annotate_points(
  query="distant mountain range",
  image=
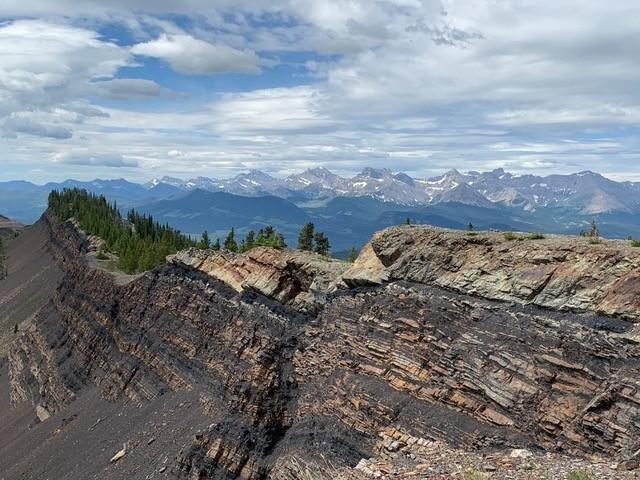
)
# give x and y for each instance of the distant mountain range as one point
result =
(350, 209)
(586, 192)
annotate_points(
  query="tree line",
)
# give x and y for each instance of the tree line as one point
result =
(138, 240)
(308, 240)
(141, 243)
(266, 237)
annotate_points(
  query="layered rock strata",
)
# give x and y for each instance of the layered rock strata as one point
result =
(558, 272)
(288, 362)
(300, 279)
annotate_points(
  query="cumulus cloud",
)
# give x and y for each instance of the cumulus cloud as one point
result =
(45, 70)
(191, 55)
(413, 85)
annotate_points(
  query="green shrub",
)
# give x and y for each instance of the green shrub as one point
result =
(595, 240)
(509, 236)
(535, 236)
(579, 475)
(635, 243)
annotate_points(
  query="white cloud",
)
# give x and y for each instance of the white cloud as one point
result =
(16, 124)
(45, 70)
(276, 110)
(123, 88)
(420, 85)
(87, 158)
(190, 55)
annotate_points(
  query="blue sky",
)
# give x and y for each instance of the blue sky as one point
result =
(145, 88)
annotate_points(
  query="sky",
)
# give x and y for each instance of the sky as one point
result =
(143, 88)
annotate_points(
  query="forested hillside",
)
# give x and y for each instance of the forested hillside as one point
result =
(138, 240)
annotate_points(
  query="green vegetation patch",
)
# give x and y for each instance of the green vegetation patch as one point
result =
(535, 236)
(139, 242)
(579, 475)
(510, 236)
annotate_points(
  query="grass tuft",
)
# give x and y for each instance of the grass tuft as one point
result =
(509, 236)
(579, 475)
(535, 236)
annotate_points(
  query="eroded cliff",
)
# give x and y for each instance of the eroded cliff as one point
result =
(440, 337)
(558, 272)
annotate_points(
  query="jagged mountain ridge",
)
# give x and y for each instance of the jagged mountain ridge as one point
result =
(351, 209)
(274, 355)
(586, 192)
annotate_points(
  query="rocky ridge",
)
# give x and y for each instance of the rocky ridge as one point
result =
(557, 272)
(300, 279)
(291, 358)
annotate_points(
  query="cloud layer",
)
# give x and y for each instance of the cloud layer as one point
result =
(193, 56)
(412, 85)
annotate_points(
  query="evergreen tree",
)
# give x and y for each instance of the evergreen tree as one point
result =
(268, 237)
(205, 243)
(280, 243)
(470, 227)
(352, 255)
(216, 245)
(230, 243)
(408, 221)
(305, 238)
(249, 241)
(322, 245)
(269, 231)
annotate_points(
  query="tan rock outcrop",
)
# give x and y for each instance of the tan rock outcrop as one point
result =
(300, 279)
(558, 272)
(368, 269)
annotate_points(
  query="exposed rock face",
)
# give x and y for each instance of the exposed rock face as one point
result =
(560, 273)
(287, 362)
(300, 279)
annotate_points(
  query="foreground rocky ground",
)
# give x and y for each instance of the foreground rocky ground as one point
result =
(436, 355)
